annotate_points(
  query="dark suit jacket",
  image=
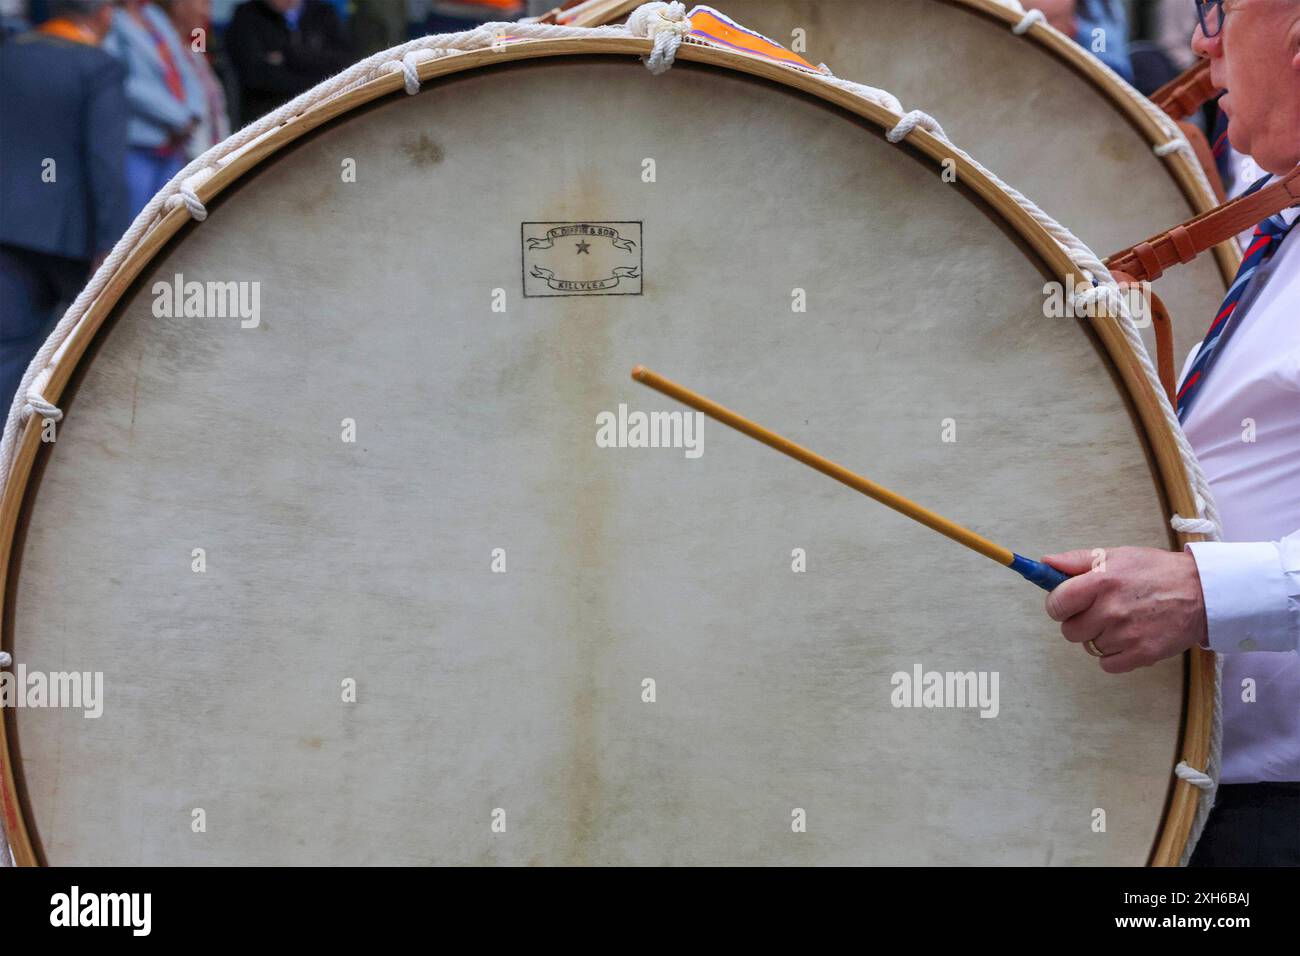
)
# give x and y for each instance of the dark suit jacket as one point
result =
(274, 64)
(61, 101)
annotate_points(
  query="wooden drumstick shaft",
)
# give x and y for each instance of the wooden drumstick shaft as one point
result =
(1041, 574)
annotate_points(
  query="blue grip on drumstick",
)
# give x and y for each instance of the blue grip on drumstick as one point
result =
(1044, 575)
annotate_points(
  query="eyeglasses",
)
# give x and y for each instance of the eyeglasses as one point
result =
(1211, 14)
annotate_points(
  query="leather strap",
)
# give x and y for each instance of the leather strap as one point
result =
(1186, 93)
(1148, 260)
(1164, 331)
(1205, 156)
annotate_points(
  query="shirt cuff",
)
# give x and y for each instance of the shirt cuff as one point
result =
(1251, 602)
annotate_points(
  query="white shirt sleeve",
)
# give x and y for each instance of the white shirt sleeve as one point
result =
(1252, 593)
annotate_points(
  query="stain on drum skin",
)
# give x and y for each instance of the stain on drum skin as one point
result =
(370, 561)
(422, 151)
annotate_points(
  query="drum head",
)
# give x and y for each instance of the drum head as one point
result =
(1036, 109)
(365, 584)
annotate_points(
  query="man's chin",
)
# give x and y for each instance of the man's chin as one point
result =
(1279, 163)
(1276, 158)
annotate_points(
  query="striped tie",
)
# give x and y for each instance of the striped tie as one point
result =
(1220, 146)
(1268, 236)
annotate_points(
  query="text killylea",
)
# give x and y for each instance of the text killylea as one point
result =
(947, 689)
(179, 299)
(23, 688)
(651, 430)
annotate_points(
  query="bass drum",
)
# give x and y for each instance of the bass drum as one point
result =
(1035, 108)
(332, 513)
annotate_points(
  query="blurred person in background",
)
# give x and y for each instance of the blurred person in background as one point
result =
(192, 20)
(417, 15)
(1099, 26)
(166, 98)
(63, 198)
(452, 16)
(1173, 23)
(281, 48)
(377, 25)
(1103, 29)
(13, 19)
(1059, 13)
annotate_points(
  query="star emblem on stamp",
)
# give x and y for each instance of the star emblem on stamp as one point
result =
(581, 258)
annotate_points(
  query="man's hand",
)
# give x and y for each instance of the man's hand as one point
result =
(1137, 605)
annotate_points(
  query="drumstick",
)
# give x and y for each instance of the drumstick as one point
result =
(1044, 575)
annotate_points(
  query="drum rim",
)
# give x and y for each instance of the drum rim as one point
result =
(1164, 458)
(1124, 97)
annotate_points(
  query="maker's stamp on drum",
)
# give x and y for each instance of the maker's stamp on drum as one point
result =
(581, 258)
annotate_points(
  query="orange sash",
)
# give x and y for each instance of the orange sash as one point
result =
(67, 30)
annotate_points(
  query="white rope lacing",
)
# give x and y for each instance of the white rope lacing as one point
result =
(1206, 523)
(1198, 779)
(664, 23)
(1027, 21)
(1198, 525)
(1027, 17)
(911, 121)
(37, 403)
(410, 73)
(667, 26)
(1103, 287)
(1179, 144)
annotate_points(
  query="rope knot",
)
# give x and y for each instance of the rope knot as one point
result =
(37, 403)
(410, 75)
(1193, 525)
(1085, 302)
(665, 24)
(409, 63)
(1197, 778)
(1178, 143)
(910, 122)
(185, 195)
(1198, 525)
(1029, 19)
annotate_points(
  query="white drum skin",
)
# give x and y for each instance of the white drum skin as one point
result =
(523, 691)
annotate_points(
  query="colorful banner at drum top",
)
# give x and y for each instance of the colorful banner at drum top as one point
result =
(717, 29)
